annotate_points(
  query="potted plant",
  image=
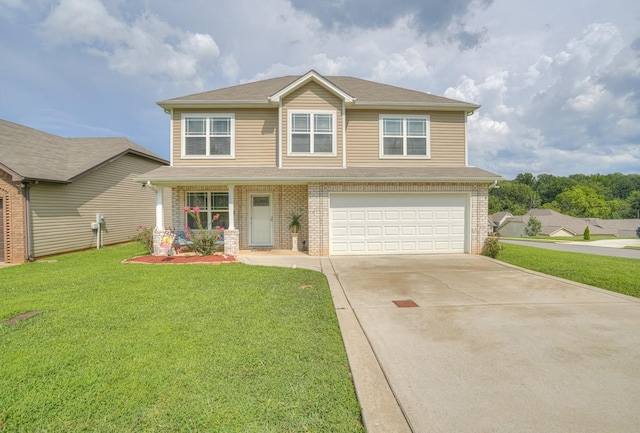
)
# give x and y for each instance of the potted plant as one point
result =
(294, 227)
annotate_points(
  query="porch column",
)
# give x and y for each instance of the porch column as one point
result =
(159, 209)
(232, 219)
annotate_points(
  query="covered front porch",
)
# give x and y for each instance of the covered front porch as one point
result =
(253, 216)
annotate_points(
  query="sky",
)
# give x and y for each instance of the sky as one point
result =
(558, 81)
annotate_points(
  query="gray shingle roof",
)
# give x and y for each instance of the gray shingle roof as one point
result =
(29, 154)
(190, 175)
(365, 92)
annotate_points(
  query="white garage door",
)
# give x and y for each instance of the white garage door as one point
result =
(397, 223)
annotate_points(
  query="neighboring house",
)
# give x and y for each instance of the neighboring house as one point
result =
(497, 219)
(372, 168)
(52, 189)
(555, 224)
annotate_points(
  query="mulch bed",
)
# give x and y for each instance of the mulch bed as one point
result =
(182, 260)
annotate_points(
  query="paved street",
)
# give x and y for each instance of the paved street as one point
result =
(614, 247)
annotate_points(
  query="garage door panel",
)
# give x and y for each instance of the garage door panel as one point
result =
(386, 223)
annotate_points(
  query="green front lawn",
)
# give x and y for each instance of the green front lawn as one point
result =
(170, 348)
(612, 273)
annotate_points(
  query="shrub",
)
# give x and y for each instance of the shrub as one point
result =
(144, 236)
(203, 240)
(534, 226)
(492, 247)
(587, 234)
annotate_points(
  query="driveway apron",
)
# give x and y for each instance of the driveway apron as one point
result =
(493, 348)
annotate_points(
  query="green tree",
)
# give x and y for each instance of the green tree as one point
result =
(534, 226)
(581, 202)
(586, 235)
(549, 186)
(633, 201)
(513, 197)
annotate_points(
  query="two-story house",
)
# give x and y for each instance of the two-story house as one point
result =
(372, 168)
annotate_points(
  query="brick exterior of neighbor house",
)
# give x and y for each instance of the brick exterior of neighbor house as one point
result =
(13, 221)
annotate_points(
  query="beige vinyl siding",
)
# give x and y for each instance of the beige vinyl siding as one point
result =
(62, 214)
(311, 96)
(255, 138)
(447, 139)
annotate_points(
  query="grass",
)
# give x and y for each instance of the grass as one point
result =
(617, 274)
(178, 348)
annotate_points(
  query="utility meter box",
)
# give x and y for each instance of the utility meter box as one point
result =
(94, 226)
(99, 218)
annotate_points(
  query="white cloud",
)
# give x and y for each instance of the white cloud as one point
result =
(149, 47)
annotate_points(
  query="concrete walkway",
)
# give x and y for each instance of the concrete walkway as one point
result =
(489, 347)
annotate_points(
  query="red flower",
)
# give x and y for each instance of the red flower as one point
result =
(187, 208)
(196, 209)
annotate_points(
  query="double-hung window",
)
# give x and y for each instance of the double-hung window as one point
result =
(209, 204)
(312, 132)
(208, 135)
(404, 136)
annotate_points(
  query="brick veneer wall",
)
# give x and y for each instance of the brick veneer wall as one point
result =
(14, 227)
(318, 196)
(286, 199)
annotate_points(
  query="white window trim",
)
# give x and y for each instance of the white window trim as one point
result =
(334, 122)
(183, 129)
(211, 211)
(404, 117)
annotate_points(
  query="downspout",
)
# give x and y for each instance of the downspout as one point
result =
(344, 136)
(279, 147)
(27, 221)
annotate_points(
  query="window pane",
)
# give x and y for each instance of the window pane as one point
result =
(195, 125)
(300, 122)
(220, 201)
(220, 145)
(323, 123)
(220, 126)
(323, 143)
(199, 199)
(392, 127)
(392, 146)
(204, 220)
(416, 146)
(417, 127)
(195, 145)
(301, 143)
(223, 221)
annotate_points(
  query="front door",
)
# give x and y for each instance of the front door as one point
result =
(261, 220)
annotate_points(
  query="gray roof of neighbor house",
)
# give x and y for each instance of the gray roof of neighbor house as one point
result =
(28, 154)
(363, 92)
(187, 175)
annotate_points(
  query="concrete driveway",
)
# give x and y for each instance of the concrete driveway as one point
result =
(493, 348)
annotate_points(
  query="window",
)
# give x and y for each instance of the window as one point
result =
(210, 204)
(404, 137)
(208, 135)
(312, 132)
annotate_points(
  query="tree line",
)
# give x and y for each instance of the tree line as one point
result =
(607, 196)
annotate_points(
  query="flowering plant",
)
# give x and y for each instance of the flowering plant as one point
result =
(203, 241)
(144, 236)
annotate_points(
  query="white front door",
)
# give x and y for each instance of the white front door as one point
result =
(261, 233)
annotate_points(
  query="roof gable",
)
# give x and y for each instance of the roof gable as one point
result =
(306, 78)
(29, 154)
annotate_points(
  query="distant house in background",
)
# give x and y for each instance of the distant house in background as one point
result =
(52, 189)
(497, 219)
(555, 224)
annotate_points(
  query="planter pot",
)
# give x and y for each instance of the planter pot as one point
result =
(294, 241)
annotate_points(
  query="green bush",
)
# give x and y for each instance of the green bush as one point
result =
(144, 236)
(587, 234)
(491, 248)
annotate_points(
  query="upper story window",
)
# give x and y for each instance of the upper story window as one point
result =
(312, 132)
(208, 135)
(404, 136)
